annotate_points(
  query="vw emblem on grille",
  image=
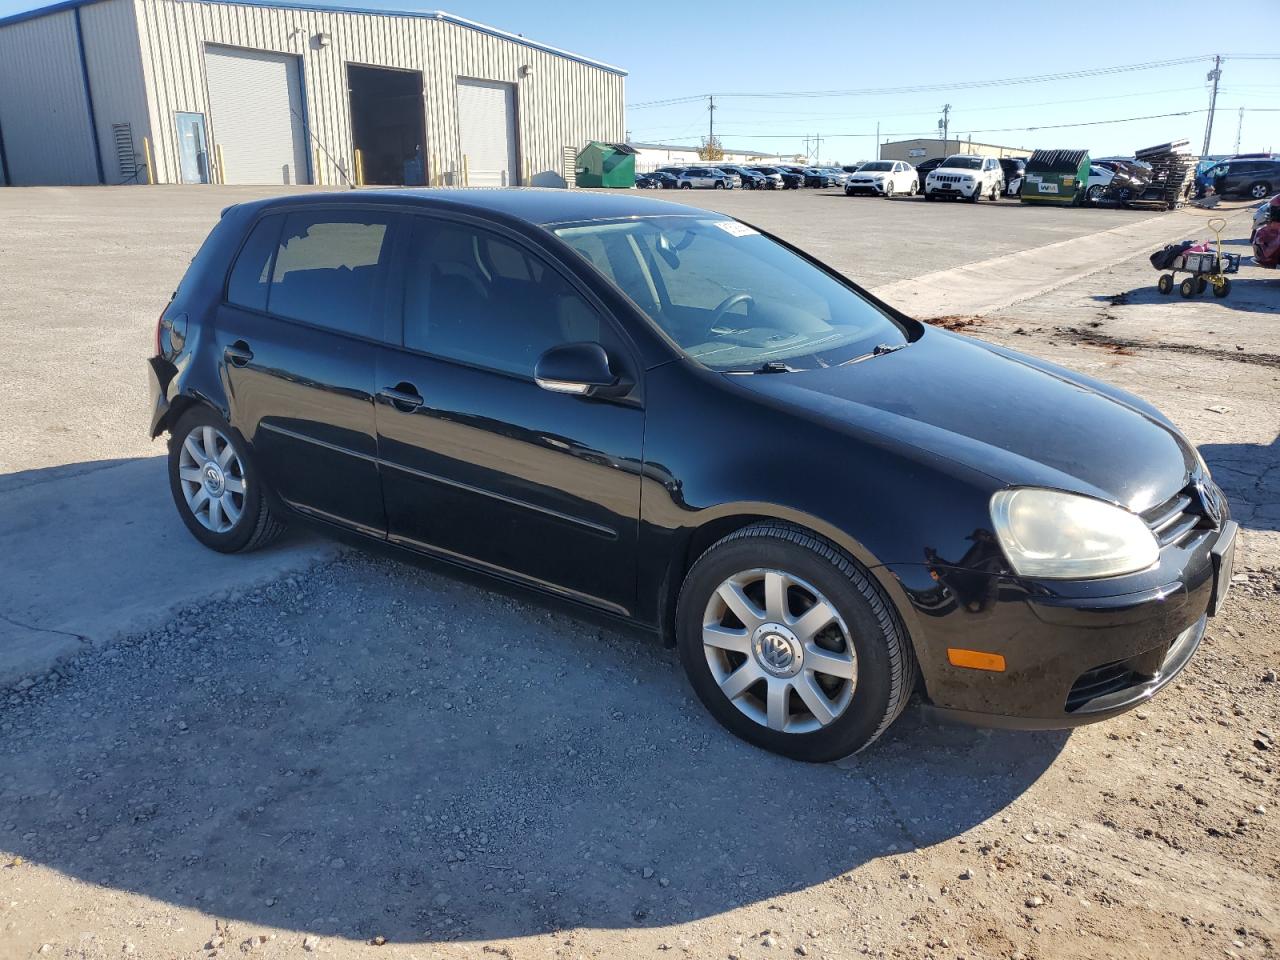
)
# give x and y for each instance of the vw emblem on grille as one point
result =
(1209, 504)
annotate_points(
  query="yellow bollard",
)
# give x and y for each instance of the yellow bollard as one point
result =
(359, 168)
(222, 167)
(146, 151)
(319, 170)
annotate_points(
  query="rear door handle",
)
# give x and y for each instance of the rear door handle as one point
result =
(238, 353)
(403, 396)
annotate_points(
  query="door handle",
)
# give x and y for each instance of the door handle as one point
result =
(403, 396)
(238, 353)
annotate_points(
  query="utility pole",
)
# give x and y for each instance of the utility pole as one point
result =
(1215, 75)
(1239, 128)
(877, 139)
(945, 124)
(711, 114)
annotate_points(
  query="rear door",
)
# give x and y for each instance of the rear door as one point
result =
(479, 462)
(298, 338)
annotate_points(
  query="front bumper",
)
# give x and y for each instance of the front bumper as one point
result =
(949, 189)
(866, 186)
(1070, 658)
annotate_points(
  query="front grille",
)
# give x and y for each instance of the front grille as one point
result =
(1187, 514)
(947, 178)
(1100, 681)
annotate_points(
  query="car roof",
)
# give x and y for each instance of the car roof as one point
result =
(537, 205)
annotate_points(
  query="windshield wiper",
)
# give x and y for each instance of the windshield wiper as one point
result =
(879, 350)
(774, 366)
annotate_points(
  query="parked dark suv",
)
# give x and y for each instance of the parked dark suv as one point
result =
(671, 418)
(1257, 179)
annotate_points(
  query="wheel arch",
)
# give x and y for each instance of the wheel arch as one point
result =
(179, 406)
(728, 520)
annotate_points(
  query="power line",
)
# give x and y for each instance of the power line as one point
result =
(934, 87)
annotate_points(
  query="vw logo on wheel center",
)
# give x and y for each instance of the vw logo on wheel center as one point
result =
(777, 650)
(213, 480)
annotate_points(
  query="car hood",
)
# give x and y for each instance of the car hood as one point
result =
(1016, 419)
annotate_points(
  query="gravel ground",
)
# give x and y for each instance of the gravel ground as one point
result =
(374, 759)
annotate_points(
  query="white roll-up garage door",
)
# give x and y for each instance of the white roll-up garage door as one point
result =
(487, 132)
(255, 105)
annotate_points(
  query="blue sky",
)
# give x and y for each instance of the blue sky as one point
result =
(753, 47)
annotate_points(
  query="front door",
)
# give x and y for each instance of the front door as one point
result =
(478, 462)
(193, 149)
(298, 336)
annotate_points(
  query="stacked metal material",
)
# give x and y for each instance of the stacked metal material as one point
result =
(1173, 174)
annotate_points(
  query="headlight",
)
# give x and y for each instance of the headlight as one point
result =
(1064, 536)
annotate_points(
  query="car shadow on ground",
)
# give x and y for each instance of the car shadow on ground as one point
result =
(1249, 474)
(380, 750)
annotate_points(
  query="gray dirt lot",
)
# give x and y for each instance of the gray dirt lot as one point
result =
(370, 749)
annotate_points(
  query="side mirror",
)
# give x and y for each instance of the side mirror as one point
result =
(576, 368)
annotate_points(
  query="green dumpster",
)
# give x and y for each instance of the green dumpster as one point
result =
(606, 165)
(1056, 176)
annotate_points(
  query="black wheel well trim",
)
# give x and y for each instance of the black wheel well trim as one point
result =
(702, 537)
(183, 402)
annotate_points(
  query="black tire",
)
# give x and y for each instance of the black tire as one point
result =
(1165, 283)
(886, 663)
(1094, 193)
(1188, 287)
(976, 195)
(1260, 190)
(686, 186)
(928, 195)
(719, 184)
(1222, 289)
(995, 192)
(258, 524)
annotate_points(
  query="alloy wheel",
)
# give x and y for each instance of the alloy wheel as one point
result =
(779, 651)
(212, 478)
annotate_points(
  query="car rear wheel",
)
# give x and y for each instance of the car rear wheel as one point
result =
(792, 645)
(1094, 193)
(216, 487)
(1260, 190)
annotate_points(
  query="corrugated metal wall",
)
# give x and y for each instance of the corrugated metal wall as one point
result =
(43, 110)
(112, 57)
(560, 102)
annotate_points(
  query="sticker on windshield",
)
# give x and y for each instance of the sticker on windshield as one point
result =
(736, 229)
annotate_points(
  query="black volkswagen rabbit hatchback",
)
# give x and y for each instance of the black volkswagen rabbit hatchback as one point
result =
(672, 417)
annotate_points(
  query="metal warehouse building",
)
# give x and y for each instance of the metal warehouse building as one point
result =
(188, 91)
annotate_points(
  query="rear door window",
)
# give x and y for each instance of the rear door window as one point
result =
(328, 268)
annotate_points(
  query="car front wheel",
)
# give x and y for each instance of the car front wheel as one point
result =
(1260, 190)
(216, 487)
(792, 645)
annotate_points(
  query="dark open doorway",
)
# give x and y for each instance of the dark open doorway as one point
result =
(388, 120)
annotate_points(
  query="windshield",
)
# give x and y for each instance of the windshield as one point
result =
(876, 165)
(731, 298)
(963, 163)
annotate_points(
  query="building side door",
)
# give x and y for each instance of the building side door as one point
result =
(193, 149)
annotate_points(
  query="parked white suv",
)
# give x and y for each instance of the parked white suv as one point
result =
(963, 175)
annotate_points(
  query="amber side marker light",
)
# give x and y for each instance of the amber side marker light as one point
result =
(975, 659)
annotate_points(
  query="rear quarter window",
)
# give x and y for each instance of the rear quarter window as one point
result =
(250, 279)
